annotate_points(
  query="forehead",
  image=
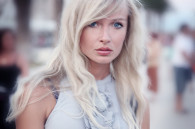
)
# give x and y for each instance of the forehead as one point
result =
(120, 14)
(112, 9)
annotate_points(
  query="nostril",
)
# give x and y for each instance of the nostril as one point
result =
(104, 41)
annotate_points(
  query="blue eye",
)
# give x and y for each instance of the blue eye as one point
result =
(94, 24)
(118, 25)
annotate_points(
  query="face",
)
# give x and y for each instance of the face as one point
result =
(102, 40)
(8, 41)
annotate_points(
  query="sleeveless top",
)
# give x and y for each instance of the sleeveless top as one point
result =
(67, 114)
(8, 77)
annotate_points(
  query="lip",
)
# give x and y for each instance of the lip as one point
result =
(104, 51)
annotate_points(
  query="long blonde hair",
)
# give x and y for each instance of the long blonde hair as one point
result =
(69, 62)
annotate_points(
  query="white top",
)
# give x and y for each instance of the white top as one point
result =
(67, 113)
(182, 43)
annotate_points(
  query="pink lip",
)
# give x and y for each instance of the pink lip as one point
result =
(104, 51)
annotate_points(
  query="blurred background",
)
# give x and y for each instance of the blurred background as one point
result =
(36, 25)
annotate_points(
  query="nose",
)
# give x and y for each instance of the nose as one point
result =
(104, 35)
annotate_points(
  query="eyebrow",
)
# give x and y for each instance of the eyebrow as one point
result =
(118, 19)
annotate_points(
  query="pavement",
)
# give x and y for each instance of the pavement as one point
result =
(162, 111)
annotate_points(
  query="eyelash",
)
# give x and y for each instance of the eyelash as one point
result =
(94, 24)
(119, 25)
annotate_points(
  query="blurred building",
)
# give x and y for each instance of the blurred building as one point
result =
(36, 23)
(43, 23)
(169, 18)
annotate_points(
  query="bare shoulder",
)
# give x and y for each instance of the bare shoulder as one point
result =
(41, 103)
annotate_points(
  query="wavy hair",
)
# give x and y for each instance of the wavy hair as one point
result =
(69, 62)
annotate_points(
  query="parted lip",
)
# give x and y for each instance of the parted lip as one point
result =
(104, 49)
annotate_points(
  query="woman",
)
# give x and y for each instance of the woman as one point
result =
(93, 74)
(12, 65)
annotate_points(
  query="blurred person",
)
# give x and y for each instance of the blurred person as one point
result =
(182, 60)
(167, 41)
(153, 59)
(93, 79)
(12, 65)
(193, 60)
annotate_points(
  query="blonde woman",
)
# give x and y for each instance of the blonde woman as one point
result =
(93, 80)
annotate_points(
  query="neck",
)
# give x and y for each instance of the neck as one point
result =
(99, 71)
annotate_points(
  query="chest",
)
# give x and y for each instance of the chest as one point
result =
(68, 114)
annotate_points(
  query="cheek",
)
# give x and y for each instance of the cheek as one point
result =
(119, 41)
(82, 47)
(87, 40)
(119, 47)
(84, 43)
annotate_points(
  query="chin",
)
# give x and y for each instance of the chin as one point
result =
(104, 61)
